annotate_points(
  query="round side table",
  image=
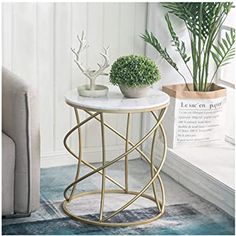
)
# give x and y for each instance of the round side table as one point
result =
(156, 103)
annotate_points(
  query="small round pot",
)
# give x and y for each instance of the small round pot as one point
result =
(99, 91)
(135, 92)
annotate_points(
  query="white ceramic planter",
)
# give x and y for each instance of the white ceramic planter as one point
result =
(134, 92)
(194, 118)
(98, 91)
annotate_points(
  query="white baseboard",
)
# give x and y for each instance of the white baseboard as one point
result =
(198, 181)
(56, 159)
(92, 155)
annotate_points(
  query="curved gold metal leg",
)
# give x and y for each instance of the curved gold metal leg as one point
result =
(126, 149)
(122, 136)
(149, 183)
(83, 161)
(155, 172)
(162, 163)
(80, 153)
(152, 171)
(103, 170)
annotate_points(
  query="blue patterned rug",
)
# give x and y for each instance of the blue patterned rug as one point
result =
(179, 218)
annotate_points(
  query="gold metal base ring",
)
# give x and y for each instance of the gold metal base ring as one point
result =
(111, 224)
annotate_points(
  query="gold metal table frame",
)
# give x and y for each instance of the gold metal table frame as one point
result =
(69, 192)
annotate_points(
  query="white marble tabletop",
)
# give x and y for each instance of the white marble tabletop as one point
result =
(115, 102)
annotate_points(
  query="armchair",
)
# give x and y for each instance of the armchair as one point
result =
(20, 147)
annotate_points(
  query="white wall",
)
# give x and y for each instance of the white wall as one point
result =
(36, 45)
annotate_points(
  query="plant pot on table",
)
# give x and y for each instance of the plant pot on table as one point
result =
(135, 92)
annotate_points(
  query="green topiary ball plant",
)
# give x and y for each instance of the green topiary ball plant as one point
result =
(134, 71)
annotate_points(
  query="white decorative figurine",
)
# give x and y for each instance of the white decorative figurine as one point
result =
(91, 90)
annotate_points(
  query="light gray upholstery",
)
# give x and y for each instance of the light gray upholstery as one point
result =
(20, 122)
(8, 163)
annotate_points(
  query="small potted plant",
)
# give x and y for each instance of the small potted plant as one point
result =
(134, 75)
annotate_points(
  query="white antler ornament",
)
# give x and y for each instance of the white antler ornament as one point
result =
(91, 74)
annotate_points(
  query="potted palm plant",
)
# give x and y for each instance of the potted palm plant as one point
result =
(196, 108)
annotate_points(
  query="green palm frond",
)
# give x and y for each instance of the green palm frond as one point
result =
(152, 40)
(199, 17)
(225, 50)
(203, 21)
(189, 13)
(180, 45)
